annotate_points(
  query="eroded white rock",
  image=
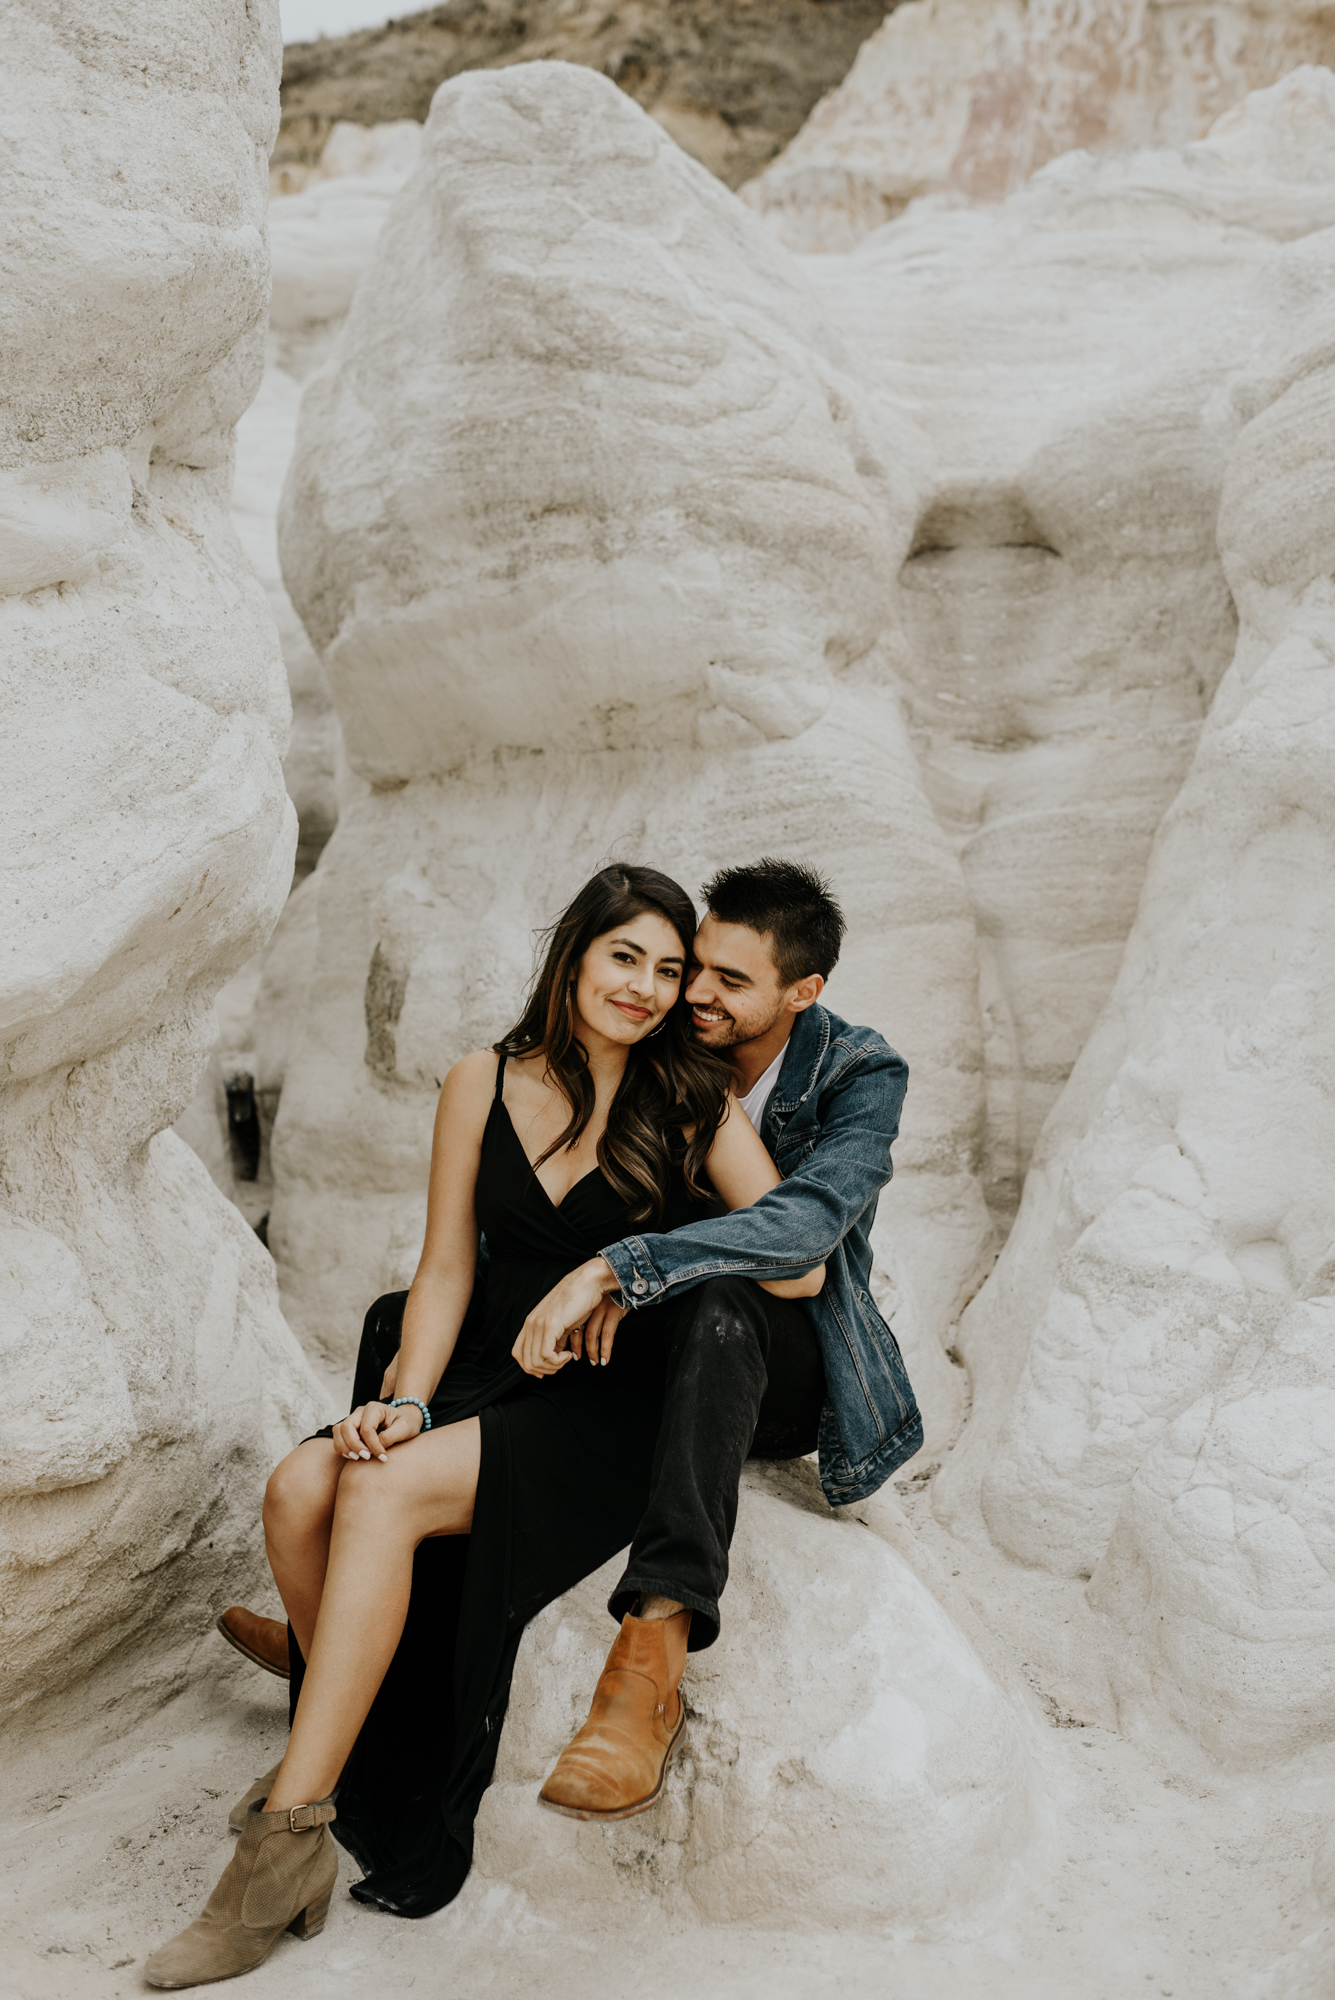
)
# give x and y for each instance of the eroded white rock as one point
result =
(848, 1761)
(320, 241)
(146, 842)
(320, 244)
(1157, 1331)
(1064, 615)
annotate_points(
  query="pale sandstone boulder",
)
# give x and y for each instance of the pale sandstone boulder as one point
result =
(597, 538)
(320, 243)
(848, 1761)
(644, 396)
(1219, 1568)
(264, 447)
(1157, 1333)
(952, 96)
(1221, 1562)
(1064, 617)
(147, 843)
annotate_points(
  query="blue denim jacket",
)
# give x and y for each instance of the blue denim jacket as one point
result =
(829, 1125)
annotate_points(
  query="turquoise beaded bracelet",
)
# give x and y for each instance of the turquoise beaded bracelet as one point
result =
(417, 1404)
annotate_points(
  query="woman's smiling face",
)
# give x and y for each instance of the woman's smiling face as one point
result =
(629, 979)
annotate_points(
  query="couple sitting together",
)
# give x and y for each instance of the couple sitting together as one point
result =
(647, 1259)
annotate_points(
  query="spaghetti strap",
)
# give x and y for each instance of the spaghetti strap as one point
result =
(500, 1077)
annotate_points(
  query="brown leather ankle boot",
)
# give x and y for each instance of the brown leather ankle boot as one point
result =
(263, 1640)
(616, 1765)
(280, 1879)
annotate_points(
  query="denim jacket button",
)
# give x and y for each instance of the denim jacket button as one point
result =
(639, 1287)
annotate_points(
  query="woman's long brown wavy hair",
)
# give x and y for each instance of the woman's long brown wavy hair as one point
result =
(671, 1085)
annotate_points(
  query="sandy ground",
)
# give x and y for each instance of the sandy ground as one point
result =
(1165, 1878)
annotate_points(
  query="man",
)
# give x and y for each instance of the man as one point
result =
(748, 1373)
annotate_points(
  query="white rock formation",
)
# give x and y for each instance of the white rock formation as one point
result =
(1154, 1350)
(848, 1761)
(542, 528)
(354, 150)
(1064, 613)
(952, 95)
(599, 550)
(320, 242)
(310, 768)
(146, 847)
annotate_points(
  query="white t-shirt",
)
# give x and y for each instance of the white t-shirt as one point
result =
(757, 1097)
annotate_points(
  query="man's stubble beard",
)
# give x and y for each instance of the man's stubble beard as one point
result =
(736, 1036)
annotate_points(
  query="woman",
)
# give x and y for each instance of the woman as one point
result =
(412, 1541)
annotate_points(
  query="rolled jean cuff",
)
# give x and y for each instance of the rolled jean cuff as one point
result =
(703, 1610)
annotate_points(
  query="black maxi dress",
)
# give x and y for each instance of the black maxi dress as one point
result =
(564, 1479)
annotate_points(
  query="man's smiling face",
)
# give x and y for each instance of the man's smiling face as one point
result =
(732, 988)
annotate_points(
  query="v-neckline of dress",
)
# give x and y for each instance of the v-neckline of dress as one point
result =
(555, 1206)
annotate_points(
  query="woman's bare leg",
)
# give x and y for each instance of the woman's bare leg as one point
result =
(382, 1510)
(298, 1520)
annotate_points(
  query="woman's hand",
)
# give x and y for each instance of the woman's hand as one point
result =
(598, 1332)
(544, 1340)
(372, 1430)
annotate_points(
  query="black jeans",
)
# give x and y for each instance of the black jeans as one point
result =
(744, 1380)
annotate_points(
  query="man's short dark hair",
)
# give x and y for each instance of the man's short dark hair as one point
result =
(790, 905)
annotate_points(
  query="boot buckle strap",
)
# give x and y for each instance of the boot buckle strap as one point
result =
(300, 1819)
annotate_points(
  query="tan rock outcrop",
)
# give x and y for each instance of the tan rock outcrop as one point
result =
(973, 100)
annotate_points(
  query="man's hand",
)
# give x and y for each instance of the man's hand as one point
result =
(371, 1430)
(543, 1345)
(598, 1332)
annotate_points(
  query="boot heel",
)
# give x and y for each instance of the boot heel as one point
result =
(311, 1921)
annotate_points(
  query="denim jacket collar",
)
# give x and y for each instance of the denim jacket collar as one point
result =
(802, 1062)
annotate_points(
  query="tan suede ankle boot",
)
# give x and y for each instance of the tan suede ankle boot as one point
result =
(616, 1765)
(256, 1796)
(280, 1879)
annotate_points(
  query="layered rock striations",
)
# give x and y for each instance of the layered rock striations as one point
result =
(972, 100)
(320, 243)
(1153, 1350)
(147, 845)
(1064, 613)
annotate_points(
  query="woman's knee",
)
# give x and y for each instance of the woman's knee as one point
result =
(374, 1487)
(428, 1492)
(299, 1490)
